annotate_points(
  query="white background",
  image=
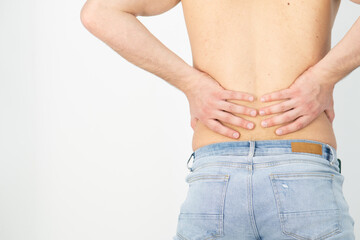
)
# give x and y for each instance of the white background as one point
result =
(93, 147)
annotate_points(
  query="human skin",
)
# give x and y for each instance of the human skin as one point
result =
(308, 98)
(205, 86)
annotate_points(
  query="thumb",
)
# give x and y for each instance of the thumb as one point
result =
(193, 122)
(330, 113)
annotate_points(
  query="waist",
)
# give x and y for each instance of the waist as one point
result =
(263, 152)
(319, 130)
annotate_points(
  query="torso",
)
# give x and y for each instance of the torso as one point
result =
(259, 46)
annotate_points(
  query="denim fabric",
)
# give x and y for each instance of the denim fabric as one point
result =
(251, 190)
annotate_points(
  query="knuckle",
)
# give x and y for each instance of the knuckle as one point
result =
(288, 92)
(219, 94)
(232, 95)
(295, 92)
(216, 127)
(241, 122)
(226, 118)
(308, 107)
(302, 101)
(242, 96)
(224, 94)
(297, 101)
(298, 125)
(286, 118)
(283, 107)
(231, 108)
(299, 91)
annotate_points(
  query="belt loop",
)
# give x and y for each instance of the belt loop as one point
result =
(332, 161)
(251, 148)
(187, 164)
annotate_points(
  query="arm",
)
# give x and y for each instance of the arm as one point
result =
(312, 92)
(344, 57)
(115, 23)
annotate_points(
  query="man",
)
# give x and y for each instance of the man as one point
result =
(256, 65)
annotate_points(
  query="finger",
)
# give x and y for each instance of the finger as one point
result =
(234, 120)
(282, 118)
(298, 124)
(235, 108)
(193, 122)
(278, 95)
(330, 113)
(277, 108)
(217, 127)
(229, 94)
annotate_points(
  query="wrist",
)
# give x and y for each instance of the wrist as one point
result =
(191, 81)
(324, 75)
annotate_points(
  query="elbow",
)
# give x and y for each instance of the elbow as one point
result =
(356, 1)
(89, 14)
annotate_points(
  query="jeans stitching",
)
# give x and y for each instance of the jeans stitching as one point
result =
(301, 175)
(223, 205)
(281, 215)
(208, 176)
(225, 178)
(259, 165)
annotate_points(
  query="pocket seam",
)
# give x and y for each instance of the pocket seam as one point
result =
(219, 217)
(214, 237)
(193, 178)
(303, 175)
(336, 231)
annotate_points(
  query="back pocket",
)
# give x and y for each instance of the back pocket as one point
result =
(202, 213)
(306, 204)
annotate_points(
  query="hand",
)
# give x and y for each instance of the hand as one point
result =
(207, 100)
(306, 99)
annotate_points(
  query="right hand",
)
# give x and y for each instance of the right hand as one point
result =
(207, 101)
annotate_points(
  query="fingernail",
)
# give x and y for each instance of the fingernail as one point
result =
(236, 135)
(251, 98)
(253, 113)
(250, 125)
(279, 131)
(262, 99)
(262, 112)
(264, 124)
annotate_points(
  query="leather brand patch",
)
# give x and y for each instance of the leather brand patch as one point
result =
(306, 147)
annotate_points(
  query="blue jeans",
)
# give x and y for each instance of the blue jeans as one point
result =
(268, 190)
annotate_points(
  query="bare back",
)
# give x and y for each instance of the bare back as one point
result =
(259, 46)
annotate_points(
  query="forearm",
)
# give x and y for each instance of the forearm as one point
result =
(125, 34)
(343, 58)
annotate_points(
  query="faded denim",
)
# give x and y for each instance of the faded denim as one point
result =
(252, 190)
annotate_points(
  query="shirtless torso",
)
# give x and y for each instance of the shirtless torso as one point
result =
(259, 47)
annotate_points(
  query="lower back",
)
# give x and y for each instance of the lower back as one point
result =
(258, 47)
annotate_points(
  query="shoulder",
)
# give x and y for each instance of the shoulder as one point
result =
(356, 1)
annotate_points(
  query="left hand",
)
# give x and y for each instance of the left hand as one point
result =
(305, 100)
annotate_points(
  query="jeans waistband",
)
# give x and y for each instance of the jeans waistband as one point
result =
(265, 148)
